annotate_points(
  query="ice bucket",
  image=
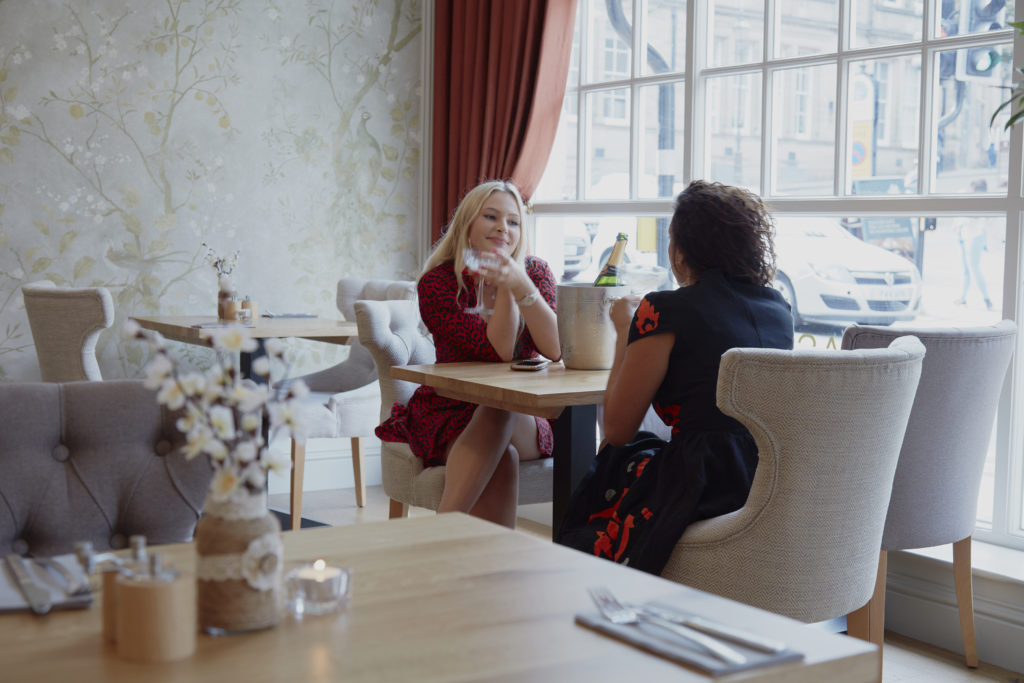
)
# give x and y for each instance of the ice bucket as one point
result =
(585, 331)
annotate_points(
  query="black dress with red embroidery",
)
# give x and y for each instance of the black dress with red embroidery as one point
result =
(429, 422)
(637, 499)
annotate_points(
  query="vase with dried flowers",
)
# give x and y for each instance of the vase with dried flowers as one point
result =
(224, 267)
(238, 541)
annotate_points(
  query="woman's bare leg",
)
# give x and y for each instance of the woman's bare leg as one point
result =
(473, 458)
(497, 503)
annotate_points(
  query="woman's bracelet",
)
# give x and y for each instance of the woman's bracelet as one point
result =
(528, 300)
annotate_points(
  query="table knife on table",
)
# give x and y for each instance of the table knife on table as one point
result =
(714, 628)
(37, 596)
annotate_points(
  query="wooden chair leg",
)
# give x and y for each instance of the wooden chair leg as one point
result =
(965, 598)
(397, 509)
(868, 622)
(298, 468)
(357, 471)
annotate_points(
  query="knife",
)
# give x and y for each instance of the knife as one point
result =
(38, 597)
(714, 628)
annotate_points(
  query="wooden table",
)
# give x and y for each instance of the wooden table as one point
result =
(435, 598)
(184, 328)
(571, 396)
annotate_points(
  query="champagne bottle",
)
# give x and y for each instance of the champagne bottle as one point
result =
(609, 275)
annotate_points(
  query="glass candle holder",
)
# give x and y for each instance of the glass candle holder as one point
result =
(317, 589)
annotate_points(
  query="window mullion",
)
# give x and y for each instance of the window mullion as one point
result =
(767, 153)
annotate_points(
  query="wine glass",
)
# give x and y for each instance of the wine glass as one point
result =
(642, 278)
(475, 259)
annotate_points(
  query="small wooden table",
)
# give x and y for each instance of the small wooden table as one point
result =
(436, 598)
(571, 396)
(186, 329)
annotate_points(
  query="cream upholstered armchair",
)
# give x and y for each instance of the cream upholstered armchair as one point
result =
(66, 323)
(344, 400)
(828, 427)
(935, 491)
(394, 334)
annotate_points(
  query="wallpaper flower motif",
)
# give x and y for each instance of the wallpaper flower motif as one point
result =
(132, 133)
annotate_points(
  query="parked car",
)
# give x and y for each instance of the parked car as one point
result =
(577, 254)
(829, 276)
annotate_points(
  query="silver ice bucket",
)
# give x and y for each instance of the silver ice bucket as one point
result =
(585, 331)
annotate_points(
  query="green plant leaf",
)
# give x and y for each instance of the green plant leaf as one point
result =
(41, 264)
(66, 240)
(83, 266)
(42, 226)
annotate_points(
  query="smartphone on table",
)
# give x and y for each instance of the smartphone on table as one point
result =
(530, 364)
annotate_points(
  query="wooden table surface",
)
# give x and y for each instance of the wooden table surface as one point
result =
(183, 328)
(544, 393)
(435, 598)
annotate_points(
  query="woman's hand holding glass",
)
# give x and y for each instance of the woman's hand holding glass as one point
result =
(479, 262)
(622, 311)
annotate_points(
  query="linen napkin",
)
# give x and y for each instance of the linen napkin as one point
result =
(658, 641)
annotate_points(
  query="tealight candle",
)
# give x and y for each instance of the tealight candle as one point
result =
(317, 588)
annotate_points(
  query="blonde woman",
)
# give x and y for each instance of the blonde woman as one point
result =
(481, 446)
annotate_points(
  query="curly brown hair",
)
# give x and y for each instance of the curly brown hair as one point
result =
(724, 227)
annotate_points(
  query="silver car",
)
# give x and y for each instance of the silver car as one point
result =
(829, 276)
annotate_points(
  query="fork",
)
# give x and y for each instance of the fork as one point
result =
(617, 613)
(75, 587)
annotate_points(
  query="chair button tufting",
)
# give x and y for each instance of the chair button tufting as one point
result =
(19, 546)
(163, 447)
(118, 542)
(61, 453)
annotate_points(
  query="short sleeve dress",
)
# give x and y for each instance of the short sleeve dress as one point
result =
(637, 499)
(429, 422)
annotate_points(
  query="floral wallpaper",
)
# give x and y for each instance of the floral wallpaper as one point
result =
(133, 132)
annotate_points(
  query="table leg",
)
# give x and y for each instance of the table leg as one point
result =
(245, 360)
(574, 450)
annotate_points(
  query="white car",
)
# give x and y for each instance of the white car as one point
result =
(829, 276)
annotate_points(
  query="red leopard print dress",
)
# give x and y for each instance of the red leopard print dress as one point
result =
(430, 422)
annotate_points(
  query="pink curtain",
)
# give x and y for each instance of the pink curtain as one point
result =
(500, 69)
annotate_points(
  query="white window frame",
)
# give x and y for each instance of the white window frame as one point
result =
(1009, 476)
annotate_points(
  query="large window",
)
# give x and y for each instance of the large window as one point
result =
(864, 123)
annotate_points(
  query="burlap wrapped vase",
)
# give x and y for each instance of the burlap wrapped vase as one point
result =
(238, 565)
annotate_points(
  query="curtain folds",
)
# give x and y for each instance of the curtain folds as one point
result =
(499, 80)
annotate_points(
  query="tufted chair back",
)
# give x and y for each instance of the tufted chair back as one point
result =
(93, 461)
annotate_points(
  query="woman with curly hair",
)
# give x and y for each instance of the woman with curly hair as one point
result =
(642, 492)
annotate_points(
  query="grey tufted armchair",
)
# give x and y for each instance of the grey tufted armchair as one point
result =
(92, 461)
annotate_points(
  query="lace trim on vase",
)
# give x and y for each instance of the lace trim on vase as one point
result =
(247, 506)
(260, 564)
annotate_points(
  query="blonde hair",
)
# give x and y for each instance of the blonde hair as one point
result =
(456, 237)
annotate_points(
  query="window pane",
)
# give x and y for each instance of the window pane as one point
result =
(883, 125)
(608, 31)
(661, 149)
(607, 153)
(733, 132)
(803, 125)
(666, 36)
(839, 271)
(886, 22)
(963, 17)
(576, 248)
(559, 179)
(806, 28)
(971, 155)
(737, 27)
